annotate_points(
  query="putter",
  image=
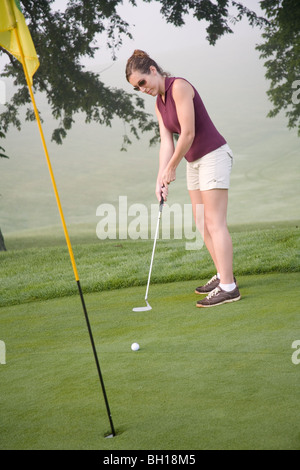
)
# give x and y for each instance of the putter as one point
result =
(148, 306)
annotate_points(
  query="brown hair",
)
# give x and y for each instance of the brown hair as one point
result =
(140, 61)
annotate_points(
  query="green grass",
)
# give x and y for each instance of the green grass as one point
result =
(217, 378)
(220, 379)
(37, 269)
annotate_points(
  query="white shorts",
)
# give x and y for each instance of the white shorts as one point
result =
(211, 171)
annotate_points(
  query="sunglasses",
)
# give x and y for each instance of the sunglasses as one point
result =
(141, 84)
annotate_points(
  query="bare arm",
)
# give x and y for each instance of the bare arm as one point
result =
(183, 95)
(165, 154)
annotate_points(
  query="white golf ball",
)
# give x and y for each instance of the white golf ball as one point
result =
(135, 346)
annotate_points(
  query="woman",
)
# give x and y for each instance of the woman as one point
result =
(180, 110)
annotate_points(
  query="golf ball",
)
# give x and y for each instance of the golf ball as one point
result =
(135, 346)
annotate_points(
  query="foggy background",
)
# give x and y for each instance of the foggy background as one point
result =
(91, 170)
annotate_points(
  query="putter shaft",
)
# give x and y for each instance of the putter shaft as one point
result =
(154, 245)
(140, 309)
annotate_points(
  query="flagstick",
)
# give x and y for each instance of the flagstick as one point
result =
(65, 231)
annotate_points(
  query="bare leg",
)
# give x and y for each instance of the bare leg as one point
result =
(216, 236)
(196, 198)
(215, 209)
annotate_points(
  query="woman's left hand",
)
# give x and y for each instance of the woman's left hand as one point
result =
(168, 176)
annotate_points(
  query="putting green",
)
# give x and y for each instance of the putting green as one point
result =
(220, 378)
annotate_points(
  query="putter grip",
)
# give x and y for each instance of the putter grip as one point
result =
(161, 204)
(162, 200)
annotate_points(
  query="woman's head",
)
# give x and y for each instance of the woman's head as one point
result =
(141, 62)
(142, 72)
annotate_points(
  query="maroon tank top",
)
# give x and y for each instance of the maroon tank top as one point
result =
(207, 138)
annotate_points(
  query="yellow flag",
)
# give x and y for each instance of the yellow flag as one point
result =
(11, 18)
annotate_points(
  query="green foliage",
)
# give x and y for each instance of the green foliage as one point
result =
(216, 14)
(2, 136)
(282, 51)
(62, 39)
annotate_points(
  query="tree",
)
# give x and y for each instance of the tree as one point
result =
(282, 49)
(63, 38)
(282, 42)
(2, 136)
(215, 13)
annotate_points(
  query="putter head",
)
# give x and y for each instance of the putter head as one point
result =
(143, 309)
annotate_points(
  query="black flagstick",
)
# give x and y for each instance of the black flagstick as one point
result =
(113, 433)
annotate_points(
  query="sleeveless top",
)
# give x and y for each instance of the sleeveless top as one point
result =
(207, 138)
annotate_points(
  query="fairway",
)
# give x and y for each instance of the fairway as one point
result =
(220, 378)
